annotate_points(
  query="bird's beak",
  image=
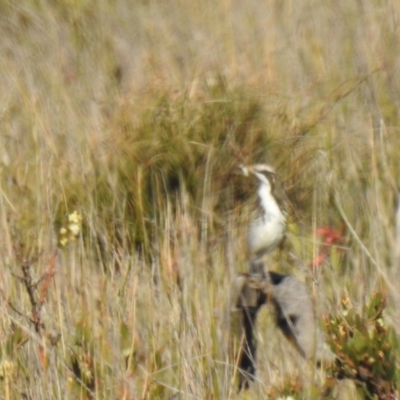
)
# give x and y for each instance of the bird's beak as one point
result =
(245, 170)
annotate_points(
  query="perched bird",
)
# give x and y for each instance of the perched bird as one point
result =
(290, 298)
(266, 230)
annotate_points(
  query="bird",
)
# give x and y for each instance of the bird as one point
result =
(291, 301)
(267, 225)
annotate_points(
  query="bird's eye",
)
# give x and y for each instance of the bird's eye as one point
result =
(269, 175)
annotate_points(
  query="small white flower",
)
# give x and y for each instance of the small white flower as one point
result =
(75, 222)
(74, 229)
(75, 218)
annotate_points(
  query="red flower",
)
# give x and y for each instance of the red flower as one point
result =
(330, 236)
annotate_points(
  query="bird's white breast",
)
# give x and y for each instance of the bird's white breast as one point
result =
(266, 232)
(265, 235)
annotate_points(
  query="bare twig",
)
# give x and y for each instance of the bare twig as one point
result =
(36, 301)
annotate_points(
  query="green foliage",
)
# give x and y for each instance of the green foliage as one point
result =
(366, 348)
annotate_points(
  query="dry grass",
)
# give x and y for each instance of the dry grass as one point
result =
(135, 114)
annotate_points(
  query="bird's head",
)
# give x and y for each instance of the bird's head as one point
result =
(264, 173)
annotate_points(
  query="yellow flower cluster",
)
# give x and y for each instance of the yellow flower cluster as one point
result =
(70, 231)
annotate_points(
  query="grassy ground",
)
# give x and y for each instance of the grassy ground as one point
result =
(135, 114)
